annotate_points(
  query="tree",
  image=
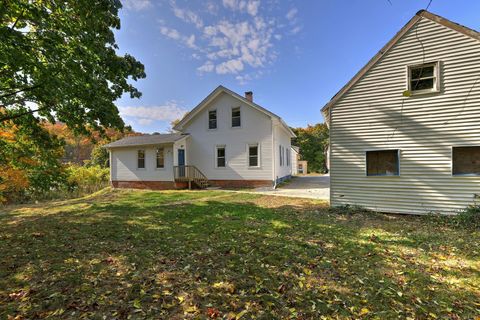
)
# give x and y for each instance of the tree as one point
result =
(58, 60)
(313, 143)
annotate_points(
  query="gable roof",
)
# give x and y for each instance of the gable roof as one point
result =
(418, 16)
(221, 89)
(145, 140)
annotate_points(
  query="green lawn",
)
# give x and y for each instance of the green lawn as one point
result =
(213, 254)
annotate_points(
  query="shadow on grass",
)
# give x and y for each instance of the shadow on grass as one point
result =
(193, 254)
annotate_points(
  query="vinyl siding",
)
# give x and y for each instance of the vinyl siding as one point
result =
(124, 165)
(282, 138)
(374, 115)
(256, 127)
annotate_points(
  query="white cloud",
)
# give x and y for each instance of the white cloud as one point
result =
(241, 43)
(137, 5)
(147, 114)
(291, 14)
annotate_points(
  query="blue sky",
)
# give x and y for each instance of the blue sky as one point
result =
(294, 55)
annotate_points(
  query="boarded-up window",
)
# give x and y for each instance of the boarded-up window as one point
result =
(466, 160)
(141, 159)
(382, 163)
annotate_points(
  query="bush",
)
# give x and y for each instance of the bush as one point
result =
(469, 217)
(84, 180)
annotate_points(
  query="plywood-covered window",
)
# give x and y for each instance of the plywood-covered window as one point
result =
(253, 155)
(236, 117)
(382, 163)
(141, 159)
(212, 119)
(423, 78)
(466, 160)
(160, 158)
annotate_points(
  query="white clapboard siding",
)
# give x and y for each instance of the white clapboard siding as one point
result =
(374, 114)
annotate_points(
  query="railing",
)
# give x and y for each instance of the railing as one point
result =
(190, 174)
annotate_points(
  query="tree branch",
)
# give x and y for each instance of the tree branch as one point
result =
(20, 90)
(16, 21)
(18, 115)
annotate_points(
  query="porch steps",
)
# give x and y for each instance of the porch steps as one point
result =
(190, 174)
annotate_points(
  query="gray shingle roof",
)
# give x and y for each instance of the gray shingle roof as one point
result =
(145, 140)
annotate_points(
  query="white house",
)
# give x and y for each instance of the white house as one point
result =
(405, 131)
(226, 141)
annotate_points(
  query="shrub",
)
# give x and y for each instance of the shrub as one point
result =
(84, 180)
(469, 217)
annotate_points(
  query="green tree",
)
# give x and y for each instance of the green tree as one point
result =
(99, 157)
(313, 143)
(58, 60)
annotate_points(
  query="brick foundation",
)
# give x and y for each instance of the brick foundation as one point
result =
(240, 183)
(154, 185)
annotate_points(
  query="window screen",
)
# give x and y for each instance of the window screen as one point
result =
(212, 119)
(382, 163)
(236, 121)
(141, 159)
(466, 160)
(253, 155)
(220, 157)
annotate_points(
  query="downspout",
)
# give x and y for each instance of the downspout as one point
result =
(273, 157)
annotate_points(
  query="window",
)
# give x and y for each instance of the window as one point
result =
(141, 159)
(212, 119)
(160, 158)
(253, 155)
(423, 78)
(382, 163)
(288, 157)
(220, 153)
(466, 160)
(236, 122)
(280, 155)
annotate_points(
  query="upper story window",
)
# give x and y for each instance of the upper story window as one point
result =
(141, 159)
(423, 78)
(160, 158)
(466, 160)
(382, 163)
(236, 121)
(220, 155)
(212, 119)
(253, 155)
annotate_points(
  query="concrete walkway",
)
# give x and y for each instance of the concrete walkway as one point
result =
(310, 186)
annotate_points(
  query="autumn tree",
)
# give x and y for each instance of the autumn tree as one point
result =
(313, 143)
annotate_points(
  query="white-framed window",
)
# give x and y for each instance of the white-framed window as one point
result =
(253, 155)
(423, 78)
(466, 161)
(220, 157)
(280, 155)
(160, 158)
(236, 117)
(382, 162)
(288, 157)
(212, 119)
(141, 159)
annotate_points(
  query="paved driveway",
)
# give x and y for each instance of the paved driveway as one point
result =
(310, 186)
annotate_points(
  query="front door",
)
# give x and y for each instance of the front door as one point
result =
(181, 162)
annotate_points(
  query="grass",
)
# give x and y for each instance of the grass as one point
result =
(212, 254)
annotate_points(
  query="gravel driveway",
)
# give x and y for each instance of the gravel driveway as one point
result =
(310, 186)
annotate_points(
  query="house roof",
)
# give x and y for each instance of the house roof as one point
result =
(189, 116)
(418, 16)
(146, 140)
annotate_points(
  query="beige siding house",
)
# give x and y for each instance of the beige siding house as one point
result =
(405, 131)
(226, 141)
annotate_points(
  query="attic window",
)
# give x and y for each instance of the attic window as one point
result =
(423, 78)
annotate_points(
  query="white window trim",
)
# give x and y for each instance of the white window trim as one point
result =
(144, 159)
(451, 163)
(436, 75)
(220, 146)
(259, 164)
(208, 120)
(156, 157)
(382, 176)
(231, 117)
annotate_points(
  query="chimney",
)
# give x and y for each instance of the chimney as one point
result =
(249, 96)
